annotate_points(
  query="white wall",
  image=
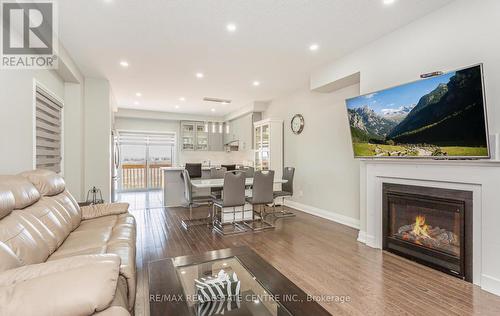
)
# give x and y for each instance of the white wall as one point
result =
(74, 166)
(16, 118)
(462, 33)
(164, 125)
(326, 177)
(97, 137)
(16, 114)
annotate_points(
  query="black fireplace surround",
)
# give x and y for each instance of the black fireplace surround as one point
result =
(431, 226)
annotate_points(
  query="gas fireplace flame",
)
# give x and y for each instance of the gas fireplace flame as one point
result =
(421, 229)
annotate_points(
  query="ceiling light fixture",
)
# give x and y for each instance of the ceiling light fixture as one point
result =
(138, 94)
(136, 103)
(177, 106)
(388, 2)
(199, 75)
(182, 99)
(256, 83)
(231, 27)
(124, 63)
(213, 110)
(313, 47)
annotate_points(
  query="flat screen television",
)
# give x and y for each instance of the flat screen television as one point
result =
(442, 117)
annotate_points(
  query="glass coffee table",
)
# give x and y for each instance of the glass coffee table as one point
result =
(263, 290)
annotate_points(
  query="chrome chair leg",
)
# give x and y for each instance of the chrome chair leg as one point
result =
(282, 213)
(264, 225)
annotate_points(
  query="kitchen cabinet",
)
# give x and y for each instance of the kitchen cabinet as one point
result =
(216, 136)
(241, 130)
(202, 136)
(188, 138)
(268, 146)
(213, 136)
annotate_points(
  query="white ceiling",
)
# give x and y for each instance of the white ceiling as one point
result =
(166, 42)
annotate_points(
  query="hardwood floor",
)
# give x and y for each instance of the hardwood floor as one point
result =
(322, 258)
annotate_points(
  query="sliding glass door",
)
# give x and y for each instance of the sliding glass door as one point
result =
(141, 157)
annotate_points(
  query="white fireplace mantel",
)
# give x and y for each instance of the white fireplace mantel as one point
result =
(480, 177)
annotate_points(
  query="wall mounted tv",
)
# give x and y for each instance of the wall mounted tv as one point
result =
(442, 117)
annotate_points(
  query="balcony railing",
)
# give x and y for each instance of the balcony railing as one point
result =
(133, 176)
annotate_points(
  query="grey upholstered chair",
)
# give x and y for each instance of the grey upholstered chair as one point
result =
(249, 171)
(217, 173)
(192, 201)
(262, 196)
(229, 167)
(233, 197)
(194, 170)
(286, 191)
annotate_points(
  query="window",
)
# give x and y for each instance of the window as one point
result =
(48, 131)
(142, 155)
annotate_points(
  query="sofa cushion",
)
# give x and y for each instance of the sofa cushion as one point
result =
(113, 234)
(7, 201)
(24, 240)
(47, 182)
(8, 259)
(25, 194)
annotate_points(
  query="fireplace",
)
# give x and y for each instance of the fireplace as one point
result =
(431, 226)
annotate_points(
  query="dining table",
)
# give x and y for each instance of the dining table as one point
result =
(219, 183)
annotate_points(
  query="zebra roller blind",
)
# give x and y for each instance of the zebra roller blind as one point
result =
(48, 132)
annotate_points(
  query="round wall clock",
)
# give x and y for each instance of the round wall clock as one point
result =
(297, 124)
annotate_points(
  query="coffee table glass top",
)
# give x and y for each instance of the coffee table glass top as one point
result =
(253, 298)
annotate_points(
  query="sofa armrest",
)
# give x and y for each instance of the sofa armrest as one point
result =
(80, 285)
(99, 210)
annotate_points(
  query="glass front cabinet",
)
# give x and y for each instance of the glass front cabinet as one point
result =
(188, 132)
(202, 136)
(268, 146)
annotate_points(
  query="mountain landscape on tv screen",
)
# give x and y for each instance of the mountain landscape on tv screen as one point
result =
(440, 116)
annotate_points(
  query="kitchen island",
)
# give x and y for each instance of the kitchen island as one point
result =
(173, 185)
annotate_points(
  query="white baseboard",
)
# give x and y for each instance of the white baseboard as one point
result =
(330, 215)
(490, 284)
(362, 237)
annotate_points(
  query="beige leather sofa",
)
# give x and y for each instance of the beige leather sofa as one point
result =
(59, 259)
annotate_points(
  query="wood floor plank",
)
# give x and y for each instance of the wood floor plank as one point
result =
(322, 258)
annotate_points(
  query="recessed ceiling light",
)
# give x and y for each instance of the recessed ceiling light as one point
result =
(199, 75)
(387, 2)
(177, 106)
(213, 110)
(182, 99)
(124, 63)
(256, 83)
(231, 27)
(313, 47)
(136, 103)
(138, 94)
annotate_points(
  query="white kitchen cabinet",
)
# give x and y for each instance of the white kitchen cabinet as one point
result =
(216, 136)
(268, 146)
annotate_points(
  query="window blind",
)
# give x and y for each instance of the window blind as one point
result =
(48, 132)
(146, 138)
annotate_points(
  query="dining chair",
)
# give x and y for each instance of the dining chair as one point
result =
(249, 171)
(286, 191)
(229, 167)
(233, 197)
(194, 170)
(217, 173)
(262, 196)
(192, 201)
